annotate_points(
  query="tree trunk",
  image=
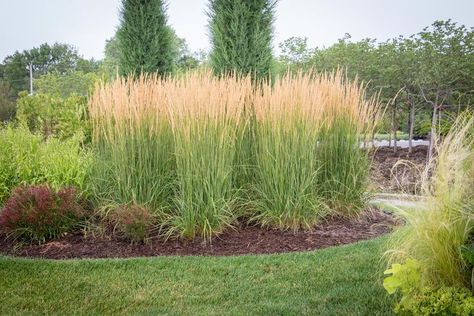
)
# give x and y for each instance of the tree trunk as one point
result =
(434, 119)
(411, 123)
(394, 128)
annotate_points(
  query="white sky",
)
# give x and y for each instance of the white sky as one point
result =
(86, 24)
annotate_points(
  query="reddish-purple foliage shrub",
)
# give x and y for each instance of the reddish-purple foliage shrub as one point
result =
(39, 213)
(133, 221)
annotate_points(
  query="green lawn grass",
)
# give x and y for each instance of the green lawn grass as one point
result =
(336, 281)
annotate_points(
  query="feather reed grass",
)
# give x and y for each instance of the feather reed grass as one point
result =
(207, 118)
(202, 150)
(308, 157)
(133, 138)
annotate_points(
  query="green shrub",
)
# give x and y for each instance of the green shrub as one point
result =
(404, 277)
(27, 159)
(65, 85)
(133, 221)
(39, 213)
(419, 298)
(52, 115)
(145, 40)
(443, 301)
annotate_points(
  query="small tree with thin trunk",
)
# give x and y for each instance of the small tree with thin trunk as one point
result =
(145, 40)
(241, 35)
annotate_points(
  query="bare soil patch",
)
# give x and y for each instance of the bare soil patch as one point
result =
(241, 240)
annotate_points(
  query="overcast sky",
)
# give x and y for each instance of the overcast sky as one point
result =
(86, 24)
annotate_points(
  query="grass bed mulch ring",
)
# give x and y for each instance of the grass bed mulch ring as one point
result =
(241, 240)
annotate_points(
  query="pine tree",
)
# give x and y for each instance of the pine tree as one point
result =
(145, 40)
(241, 35)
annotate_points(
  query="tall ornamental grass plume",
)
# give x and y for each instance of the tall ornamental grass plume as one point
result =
(307, 149)
(348, 118)
(202, 150)
(436, 231)
(206, 117)
(134, 143)
(286, 130)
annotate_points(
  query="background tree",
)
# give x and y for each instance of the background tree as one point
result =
(145, 40)
(185, 59)
(430, 73)
(295, 53)
(7, 103)
(61, 58)
(447, 68)
(74, 82)
(241, 35)
(111, 61)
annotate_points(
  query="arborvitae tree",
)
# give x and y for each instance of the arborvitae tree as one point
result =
(241, 35)
(145, 40)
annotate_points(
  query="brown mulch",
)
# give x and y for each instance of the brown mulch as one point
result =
(241, 240)
(398, 172)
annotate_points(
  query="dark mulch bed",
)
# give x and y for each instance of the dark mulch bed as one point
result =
(241, 240)
(388, 176)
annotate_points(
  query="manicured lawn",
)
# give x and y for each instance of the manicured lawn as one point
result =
(337, 281)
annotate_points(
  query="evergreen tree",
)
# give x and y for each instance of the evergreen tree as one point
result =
(144, 38)
(241, 35)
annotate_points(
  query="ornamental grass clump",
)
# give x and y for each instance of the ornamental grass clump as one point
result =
(286, 168)
(207, 118)
(436, 231)
(438, 238)
(199, 151)
(308, 160)
(134, 143)
(347, 120)
(170, 144)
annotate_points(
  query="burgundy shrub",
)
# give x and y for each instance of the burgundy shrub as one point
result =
(133, 221)
(39, 213)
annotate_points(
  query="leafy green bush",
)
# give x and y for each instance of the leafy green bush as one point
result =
(65, 85)
(421, 299)
(39, 213)
(52, 115)
(443, 301)
(404, 277)
(27, 159)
